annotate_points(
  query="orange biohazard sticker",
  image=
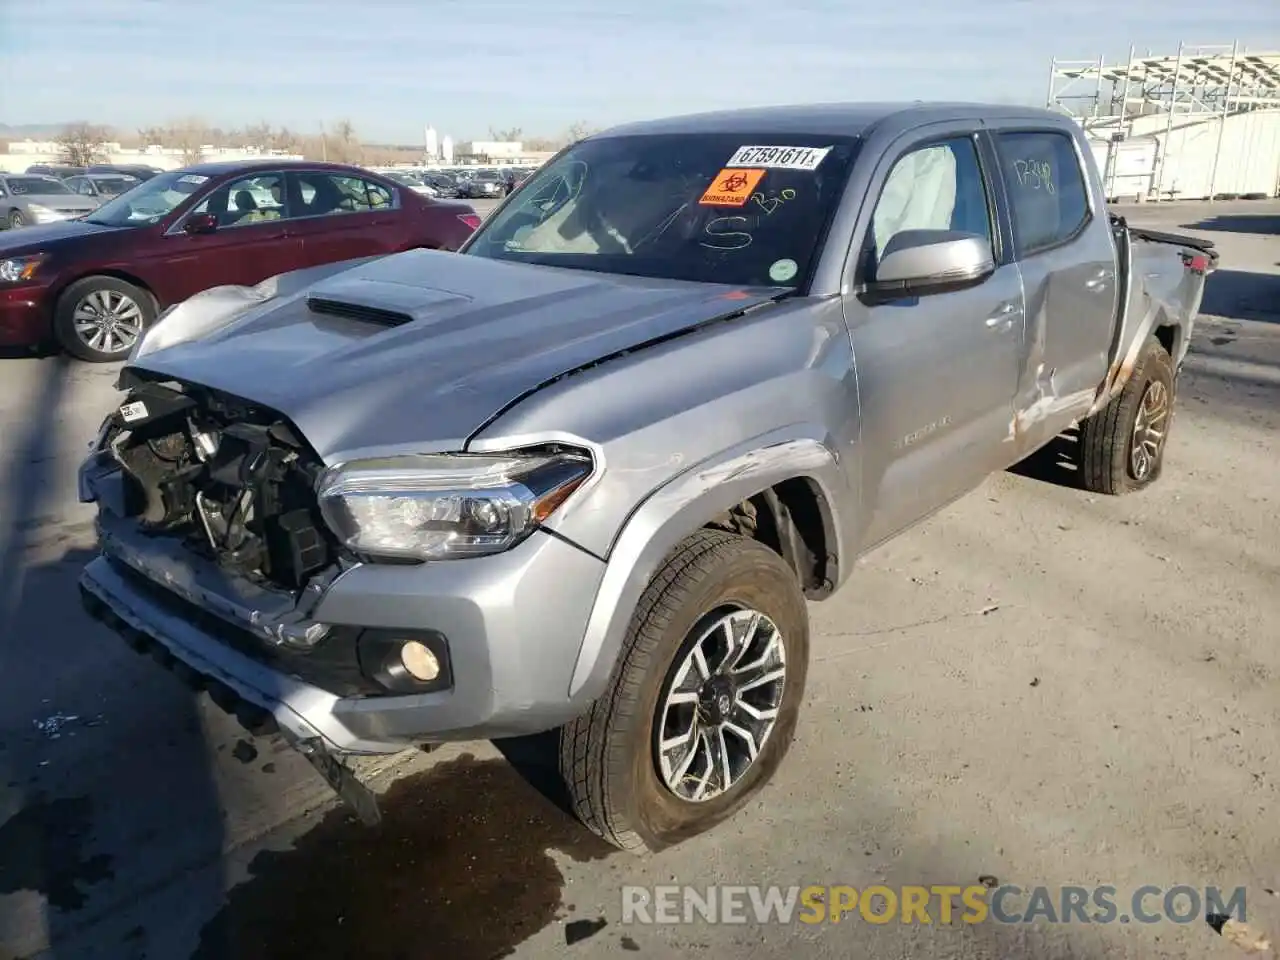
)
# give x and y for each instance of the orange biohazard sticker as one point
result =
(731, 188)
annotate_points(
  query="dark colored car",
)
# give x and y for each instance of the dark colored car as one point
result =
(93, 284)
(101, 186)
(59, 170)
(444, 185)
(139, 171)
(481, 185)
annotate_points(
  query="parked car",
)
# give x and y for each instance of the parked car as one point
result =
(58, 170)
(584, 476)
(408, 178)
(139, 171)
(481, 185)
(101, 186)
(26, 199)
(93, 285)
(445, 186)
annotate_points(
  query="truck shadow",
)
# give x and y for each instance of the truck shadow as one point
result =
(461, 866)
(1264, 223)
(98, 764)
(1057, 462)
(1242, 295)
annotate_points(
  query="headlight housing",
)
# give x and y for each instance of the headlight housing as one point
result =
(446, 506)
(18, 269)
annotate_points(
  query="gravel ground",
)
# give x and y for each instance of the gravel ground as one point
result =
(1038, 686)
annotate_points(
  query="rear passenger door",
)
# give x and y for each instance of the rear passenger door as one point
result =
(936, 373)
(1067, 258)
(344, 217)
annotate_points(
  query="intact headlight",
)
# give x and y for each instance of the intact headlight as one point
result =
(446, 506)
(19, 269)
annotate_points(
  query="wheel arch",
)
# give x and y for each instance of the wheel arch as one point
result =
(56, 293)
(792, 481)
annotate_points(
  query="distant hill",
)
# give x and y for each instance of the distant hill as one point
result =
(31, 131)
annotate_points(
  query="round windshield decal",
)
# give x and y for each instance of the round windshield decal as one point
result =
(782, 271)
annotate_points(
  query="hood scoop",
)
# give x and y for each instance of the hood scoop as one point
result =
(386, 301)
(360, 312)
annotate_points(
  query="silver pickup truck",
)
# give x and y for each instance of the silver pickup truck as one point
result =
(583, 475)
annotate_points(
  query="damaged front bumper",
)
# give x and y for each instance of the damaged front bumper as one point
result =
(509, 628)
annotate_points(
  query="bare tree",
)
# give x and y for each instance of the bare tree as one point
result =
(578, 131)
(82, 143)
(342, 144)
(510, 135)
(190, 136)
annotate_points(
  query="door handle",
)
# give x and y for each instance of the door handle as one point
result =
(1003, 317)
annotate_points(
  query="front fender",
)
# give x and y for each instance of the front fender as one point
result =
(680, 507)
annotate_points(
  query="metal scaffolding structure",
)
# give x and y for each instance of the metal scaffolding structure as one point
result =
(1199, 83)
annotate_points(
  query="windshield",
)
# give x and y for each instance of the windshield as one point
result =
(150, 201)
(742, 209)
(400, 176)
(19, 186)
(114, 186)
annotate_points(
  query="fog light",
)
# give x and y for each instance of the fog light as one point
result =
(419, 661)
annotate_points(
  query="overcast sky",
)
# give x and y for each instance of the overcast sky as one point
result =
(393, 66)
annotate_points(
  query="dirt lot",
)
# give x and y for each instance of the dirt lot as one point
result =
(1037, 686)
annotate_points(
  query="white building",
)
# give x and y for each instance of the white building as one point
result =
(433, 145)
(446, 150)
(26, 153)
(1202, 123)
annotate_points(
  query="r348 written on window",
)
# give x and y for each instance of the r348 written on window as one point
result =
(1034, 175)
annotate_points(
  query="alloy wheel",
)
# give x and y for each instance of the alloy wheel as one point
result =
(1149, 428)
(720, 705)
(108, 321)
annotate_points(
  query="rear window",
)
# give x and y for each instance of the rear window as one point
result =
(741, 209)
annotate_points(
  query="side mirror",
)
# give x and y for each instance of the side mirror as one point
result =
(200, 223)
(919, 261)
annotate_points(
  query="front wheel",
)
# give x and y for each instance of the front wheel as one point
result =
(1122, 445)
(703, 703)
(99, 319)
(16, 220)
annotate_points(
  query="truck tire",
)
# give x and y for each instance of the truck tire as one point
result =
(99, 319)
(623, 784)
(1122, 445)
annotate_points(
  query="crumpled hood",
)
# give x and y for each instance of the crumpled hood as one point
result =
(481, 333)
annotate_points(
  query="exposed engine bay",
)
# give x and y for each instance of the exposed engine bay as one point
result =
(233, 481)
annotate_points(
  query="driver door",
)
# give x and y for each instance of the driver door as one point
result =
(937, 373)
(254, 238)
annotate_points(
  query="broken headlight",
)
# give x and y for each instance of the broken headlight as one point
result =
(446, 506)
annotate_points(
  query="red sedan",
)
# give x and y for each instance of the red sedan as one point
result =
(92, 285)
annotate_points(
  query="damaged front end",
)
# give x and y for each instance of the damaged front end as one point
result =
(208, 521)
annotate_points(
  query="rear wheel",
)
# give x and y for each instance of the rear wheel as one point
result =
(703, 703)
(1122, 445)
(99, 319)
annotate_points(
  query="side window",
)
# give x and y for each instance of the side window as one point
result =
(326, 194)
(935, 187)
(252, 200)
(1047, 192)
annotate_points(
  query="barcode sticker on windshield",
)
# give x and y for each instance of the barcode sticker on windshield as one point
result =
(779, 158)
(133, 411)
(192, 178)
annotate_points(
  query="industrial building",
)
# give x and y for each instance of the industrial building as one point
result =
(1203, 123)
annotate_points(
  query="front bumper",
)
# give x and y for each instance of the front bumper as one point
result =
(24, 321)
(513, 622)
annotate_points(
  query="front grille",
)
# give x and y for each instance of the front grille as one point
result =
(358, 311)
